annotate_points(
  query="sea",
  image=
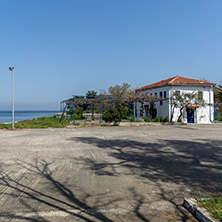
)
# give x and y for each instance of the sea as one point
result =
(6, 116)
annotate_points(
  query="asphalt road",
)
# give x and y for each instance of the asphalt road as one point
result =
(107, 173)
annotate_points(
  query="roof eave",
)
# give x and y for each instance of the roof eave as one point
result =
(185, 84)
(194, 84)
(154, 87)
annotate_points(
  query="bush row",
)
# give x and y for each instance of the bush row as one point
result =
(112, 115)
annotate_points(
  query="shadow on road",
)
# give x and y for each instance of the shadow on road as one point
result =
(72, 206)
(196, 164)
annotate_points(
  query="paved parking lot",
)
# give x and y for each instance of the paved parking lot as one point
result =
(107, 173)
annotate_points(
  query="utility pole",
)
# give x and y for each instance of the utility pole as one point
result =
(12, 69)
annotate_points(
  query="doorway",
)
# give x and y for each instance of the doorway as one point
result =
(190, 115)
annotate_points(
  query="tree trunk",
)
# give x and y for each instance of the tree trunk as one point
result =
(181, 113)
(171, 118)
(142, 111)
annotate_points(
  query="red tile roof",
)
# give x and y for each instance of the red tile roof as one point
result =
(177, 80)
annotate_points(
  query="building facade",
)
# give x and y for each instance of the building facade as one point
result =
(178, 85)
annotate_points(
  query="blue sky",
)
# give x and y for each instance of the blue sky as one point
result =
(61, 48)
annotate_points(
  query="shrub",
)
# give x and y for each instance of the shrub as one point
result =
(132, 119)
(139, 120)
(79, 112)
(123, 111)
(166, 119)
(111, 115)
(157, 119)
(219, 117)
(161, 119)
(147, 119)
(78, 117)
(179, 120)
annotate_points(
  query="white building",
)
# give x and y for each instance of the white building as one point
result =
(178, 84)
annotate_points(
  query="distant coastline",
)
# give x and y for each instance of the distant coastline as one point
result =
(6, 116)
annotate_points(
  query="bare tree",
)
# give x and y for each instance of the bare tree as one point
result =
(103, 92)
(143, 97)
(183, 100)
(123, 93)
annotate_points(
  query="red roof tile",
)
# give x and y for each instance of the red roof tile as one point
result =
(177, 80)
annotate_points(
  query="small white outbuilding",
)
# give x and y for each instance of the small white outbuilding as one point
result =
(164, 89)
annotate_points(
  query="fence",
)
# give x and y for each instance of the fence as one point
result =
(92, 106)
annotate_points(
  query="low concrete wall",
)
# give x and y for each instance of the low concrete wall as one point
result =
(140, 124)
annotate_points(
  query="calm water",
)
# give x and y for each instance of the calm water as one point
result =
(6, 116)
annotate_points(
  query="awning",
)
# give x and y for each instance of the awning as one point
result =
(193, 106)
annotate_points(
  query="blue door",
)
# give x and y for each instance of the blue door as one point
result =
(190, 115)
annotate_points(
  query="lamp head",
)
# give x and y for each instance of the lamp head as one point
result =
(11, 68)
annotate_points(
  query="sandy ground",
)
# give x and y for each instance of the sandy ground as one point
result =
(107, 173)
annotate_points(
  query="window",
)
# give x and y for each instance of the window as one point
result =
(177, 94)
(146, 110)
(161, 101)
(155, 94)
(165, 94)
(200, 95)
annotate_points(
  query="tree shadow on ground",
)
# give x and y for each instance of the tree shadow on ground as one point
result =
(63, 199)
(17, 188)
(196, 164)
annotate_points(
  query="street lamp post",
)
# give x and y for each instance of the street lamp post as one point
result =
(12, 69)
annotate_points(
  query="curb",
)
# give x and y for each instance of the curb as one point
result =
(201, 214)
(140, 124)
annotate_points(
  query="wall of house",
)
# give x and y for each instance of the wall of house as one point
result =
(201, 114)
(162, 110)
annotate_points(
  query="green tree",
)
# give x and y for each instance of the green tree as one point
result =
(119, 90)
(91, 93)
(218, 94)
